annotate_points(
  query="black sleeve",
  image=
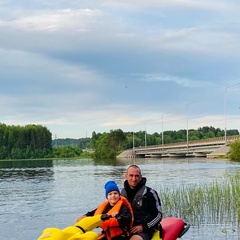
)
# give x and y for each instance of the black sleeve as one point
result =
(91, 213)
(125, 217)
(154, 210)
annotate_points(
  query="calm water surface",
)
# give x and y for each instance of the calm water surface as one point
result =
(39, 194)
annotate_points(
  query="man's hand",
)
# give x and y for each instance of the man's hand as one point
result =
(137, 229)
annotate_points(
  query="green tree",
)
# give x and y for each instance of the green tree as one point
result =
(4, 152)
(210, 134)
(66, 152)
(32, 141)
(95, 138)
(103, 148)
(116, 139)
(108, 145)
(235, 150)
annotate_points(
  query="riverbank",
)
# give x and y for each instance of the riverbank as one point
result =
(220, 152)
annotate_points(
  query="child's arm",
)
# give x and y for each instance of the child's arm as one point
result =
(88, 214)
(124, 217)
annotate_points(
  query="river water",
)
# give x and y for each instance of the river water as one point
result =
(39, 194)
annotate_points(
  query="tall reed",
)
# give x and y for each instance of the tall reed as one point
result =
(214, 202)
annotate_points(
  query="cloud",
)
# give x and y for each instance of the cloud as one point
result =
(76, 29)
(81, 20)
(143, 4)
(178, 80)
(67, 63)
(41, 84)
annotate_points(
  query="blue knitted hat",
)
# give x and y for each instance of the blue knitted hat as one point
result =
(111, 186)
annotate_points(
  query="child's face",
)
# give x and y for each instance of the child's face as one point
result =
(113, 197)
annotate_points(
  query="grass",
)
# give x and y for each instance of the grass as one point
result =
(215, 202)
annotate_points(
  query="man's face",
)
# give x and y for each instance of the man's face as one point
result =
(133, 176)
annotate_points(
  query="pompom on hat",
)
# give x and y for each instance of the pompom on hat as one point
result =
(111, 186)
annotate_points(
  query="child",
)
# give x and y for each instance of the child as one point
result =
(118, 207)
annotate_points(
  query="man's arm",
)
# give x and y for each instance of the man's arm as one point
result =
(154, 209)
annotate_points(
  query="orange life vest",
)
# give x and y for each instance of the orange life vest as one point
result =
(111, 226)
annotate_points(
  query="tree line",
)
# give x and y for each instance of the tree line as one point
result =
(35, 141)
(31, 141)
(109, 145)
(82, 143)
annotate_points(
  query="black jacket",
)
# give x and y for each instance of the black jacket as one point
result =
(145, 203)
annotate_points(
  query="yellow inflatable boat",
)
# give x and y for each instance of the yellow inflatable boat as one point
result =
(170, 229)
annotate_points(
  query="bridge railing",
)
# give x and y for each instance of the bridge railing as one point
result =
(219, 140)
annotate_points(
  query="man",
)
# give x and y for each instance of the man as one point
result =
(145, 203)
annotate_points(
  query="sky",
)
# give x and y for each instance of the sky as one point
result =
(140, 65)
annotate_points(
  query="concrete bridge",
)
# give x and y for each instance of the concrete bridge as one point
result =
(211, 148)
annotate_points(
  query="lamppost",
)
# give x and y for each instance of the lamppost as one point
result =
(225, 117)
(162, 137)
(145, 137)
(225, 110)
(187, 125)
(133, 142)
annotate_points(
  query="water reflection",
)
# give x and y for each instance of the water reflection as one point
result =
(72, 163)
(111, 162)
(26, 169)
(25, 163)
